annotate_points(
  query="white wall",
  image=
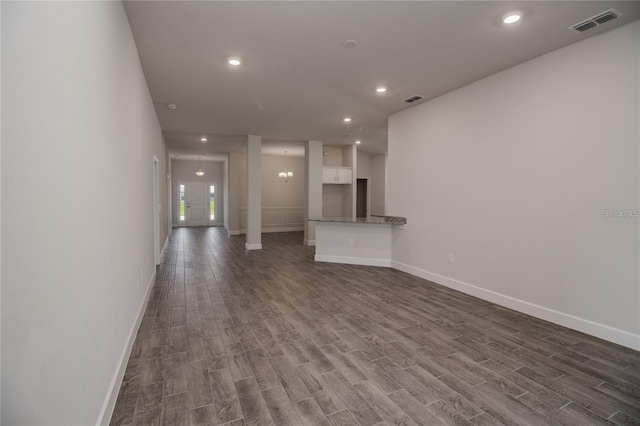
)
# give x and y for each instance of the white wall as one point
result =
(237, 189)
(378, 183)
(349, 159)
(225, 194)
(275, 191)
(332, 156)
(184, 171)
(365, 163)
(511, 175)
(79, 134)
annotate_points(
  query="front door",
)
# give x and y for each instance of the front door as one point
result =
(197, 213)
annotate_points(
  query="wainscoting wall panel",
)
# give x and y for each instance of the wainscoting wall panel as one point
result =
(277, 219)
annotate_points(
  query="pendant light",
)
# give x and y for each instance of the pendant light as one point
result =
(199, 172)
(285, 175)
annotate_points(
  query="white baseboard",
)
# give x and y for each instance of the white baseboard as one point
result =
(291, 229)
(112, 394)
(166, 241)
(309, 242)
(352, 260)
(602, 331)
(252, 246)
(269, 230)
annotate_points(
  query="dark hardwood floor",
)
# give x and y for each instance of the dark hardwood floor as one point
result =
(271, 337)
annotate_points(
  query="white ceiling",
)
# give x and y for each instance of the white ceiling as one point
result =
(298, 81)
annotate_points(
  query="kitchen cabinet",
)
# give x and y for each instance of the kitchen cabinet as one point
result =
(337, 175)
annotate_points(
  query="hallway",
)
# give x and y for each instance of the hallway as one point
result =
(271, 337)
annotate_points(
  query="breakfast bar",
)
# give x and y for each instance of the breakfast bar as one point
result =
(360, 241)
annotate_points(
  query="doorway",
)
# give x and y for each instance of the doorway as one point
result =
(156, 210)
(362, 197)
(196, 204)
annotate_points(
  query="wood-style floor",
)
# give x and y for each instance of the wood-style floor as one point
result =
(270, 337)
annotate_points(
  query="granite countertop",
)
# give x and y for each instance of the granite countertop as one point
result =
(379, 220)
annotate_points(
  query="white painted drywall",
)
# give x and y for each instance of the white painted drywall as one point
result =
(511, 175)
(184, 171)
(237, 189)
(365, 163)
(313, 189)
(378, 183)
(79, 133)
(332, 156)
(349, 159)
(254, 193)
(275, 191)
(225, 194)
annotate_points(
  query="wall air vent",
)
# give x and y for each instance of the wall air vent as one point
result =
(594, 21)
(413, 99)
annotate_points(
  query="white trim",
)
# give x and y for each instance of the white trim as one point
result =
(252, 246)
(112, 394)
(367, 261)
(164, 246)
(156, 211)
(309, 242)
(290, 229)
(268, 230)
(602, 331)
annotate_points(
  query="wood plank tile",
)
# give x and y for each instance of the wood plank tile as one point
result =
(175, 376)
(225, 399)
(198, 386)
(416, 411)
(281, 409)
(321, 392)
(289, 378)
(254, 408)
(363, 413)
(310, 412)
(387, 409)
(343, 418)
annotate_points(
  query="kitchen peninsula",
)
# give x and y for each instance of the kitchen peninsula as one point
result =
(361, 241)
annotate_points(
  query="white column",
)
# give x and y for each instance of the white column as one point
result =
(254, 194)
(313, 189)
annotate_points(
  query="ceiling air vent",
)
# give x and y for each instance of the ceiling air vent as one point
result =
(595, 21)
(413, 99)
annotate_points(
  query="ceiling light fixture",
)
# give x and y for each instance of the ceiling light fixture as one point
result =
(286, 174)
(172, 106)
(203, 139)
(358, 142)
(346, 119)
(350, 44)
(511, 18)
(381, 89)
(199, 172)
(234, 61)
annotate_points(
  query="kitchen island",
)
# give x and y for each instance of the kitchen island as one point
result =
(361, 241)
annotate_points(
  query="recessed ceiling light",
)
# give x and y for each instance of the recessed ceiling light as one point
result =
(347, 119)
(234, 61)
(511, 18)
(172, 106)
(358, 142)
(381, 89)
(203, 139)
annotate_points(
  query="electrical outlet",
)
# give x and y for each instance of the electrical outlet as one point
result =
(450, 257)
